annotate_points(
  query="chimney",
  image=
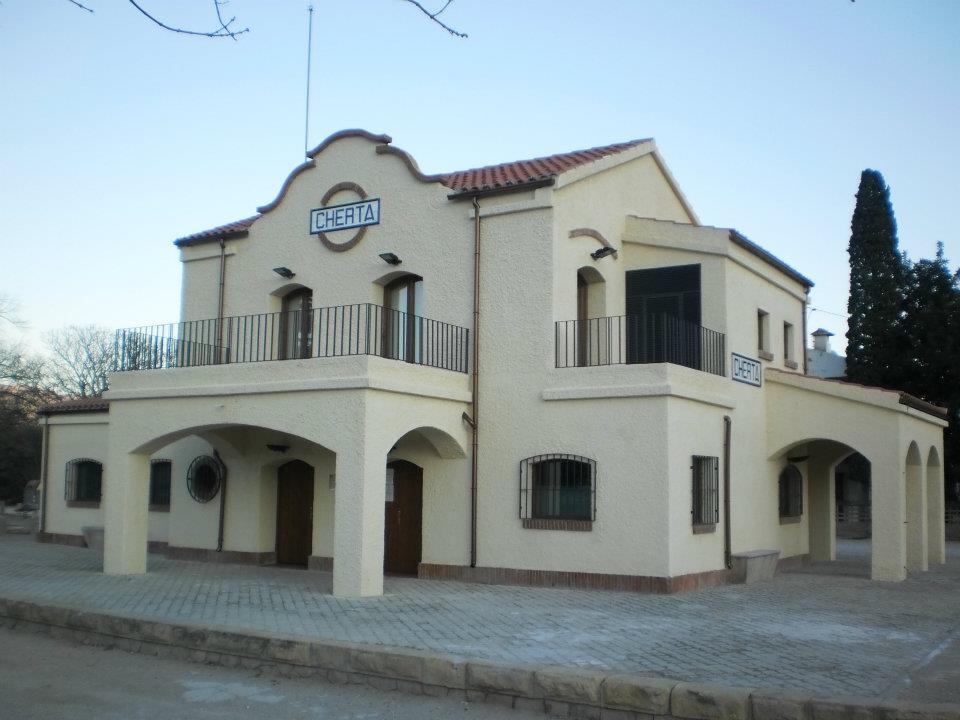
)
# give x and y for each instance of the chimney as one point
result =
(821, 339)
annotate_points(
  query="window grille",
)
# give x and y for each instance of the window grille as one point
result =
(160, 471)
(791, 492)
(204, 477)
(558, 486)
(706, 482)
(83, 481)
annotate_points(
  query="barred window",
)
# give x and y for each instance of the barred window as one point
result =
(160, 471)
(791, 492)
(558, 487)
(83, 482)
(706, 481)
(204, 477)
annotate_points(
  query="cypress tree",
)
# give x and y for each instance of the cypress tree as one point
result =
(875, 342)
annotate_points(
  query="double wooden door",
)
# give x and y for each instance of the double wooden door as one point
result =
(294, 513)
(403, 519)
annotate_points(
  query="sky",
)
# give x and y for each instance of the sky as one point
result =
(117, 137)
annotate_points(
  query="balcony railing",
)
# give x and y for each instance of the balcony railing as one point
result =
(629, 339)
(362, 329)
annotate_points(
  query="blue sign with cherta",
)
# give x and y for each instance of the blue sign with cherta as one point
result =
(344, 217)
(746, 370)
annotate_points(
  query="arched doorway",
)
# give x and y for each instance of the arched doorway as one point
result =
(403, 518)
(296, 324)
(592, 328)
(403, 311)
(916, 511)
(852, 488)
(294, 513)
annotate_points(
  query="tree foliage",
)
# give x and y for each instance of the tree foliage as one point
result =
(81, 357)
(877, 286)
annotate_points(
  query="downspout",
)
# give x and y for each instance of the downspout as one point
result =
(727, 559)
(223, 500)
(475, 400)
(223, 267)
(44, 470)
(806, 300)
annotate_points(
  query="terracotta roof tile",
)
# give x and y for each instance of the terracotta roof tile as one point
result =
(81, 405)
(491, 177)
(521, 172)
(238, 228)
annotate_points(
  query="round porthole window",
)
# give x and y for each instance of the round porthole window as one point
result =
(204, 478)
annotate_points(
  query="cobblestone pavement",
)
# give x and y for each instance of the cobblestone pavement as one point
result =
(833, 634)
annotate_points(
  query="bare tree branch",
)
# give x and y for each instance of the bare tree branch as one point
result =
(81, 358)
(224, 30)
(434, 16)
(81, 6)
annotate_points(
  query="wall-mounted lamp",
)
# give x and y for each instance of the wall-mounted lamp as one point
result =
(284, 272)
(390, 258)
(278, 448)
(602, 252)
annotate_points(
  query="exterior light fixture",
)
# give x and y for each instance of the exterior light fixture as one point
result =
(278, 448)
(284, 272)
(390, 258)
(602, 252)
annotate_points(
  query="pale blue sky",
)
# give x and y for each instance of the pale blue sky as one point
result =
(117, 137)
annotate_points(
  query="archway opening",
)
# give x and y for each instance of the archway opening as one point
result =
(592, 328)
(916, 511)
(853, 493)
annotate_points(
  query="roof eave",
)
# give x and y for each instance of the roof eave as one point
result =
(231, 235)
(501, 190)
(769, 258)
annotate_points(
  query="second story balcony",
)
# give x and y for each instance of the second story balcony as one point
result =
(340, 331)
(638, 339)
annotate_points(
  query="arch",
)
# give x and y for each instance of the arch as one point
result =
(287, 289)
(916, 510)
(595, 234)
(444, 444)
(216, 430)
(936, 508)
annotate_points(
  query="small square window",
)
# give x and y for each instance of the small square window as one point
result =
(557, 491)
(83, 482)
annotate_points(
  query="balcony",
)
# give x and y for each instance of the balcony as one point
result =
(340, 331)
(636, 339)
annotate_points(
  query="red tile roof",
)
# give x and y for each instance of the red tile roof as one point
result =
(491, 177)
(81, 405)
(236, 229)
(521, 172)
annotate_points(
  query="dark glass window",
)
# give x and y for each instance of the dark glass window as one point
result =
(83, 481)
(558, 487)
(791, 492)
(160, 483)
(706, 481)
(204, 477)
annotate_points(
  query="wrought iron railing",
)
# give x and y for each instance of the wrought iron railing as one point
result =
(628, 339)
(361, 329)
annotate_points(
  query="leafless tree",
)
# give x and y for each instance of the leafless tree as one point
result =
(227, 28)
(81, 357)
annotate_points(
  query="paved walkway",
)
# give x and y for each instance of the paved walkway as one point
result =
(832, 634)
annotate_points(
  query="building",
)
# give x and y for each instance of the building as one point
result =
(821, 360)
(639, 417)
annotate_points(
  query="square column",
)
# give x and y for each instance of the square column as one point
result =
(822, 509)
(888, 511)
(936, 528)
(126, 479)
(358, 519)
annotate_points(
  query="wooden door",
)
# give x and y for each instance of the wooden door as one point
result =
(294, 513)
(403, 517)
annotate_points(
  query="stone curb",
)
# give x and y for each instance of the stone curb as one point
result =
(560, 691)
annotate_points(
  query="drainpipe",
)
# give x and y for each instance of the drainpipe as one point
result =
(223, 267)
(44, 468)
(476, 382)
(223, 500)
(806, 300)
(727, 560)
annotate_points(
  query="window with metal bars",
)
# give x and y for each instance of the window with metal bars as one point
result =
(791, 492)
(706, 482)
(160, 471)
(82, 484)
(558, 487)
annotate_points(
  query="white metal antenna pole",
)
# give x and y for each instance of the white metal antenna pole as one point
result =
(306, 124)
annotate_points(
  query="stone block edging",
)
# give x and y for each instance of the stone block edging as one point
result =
(557, 690)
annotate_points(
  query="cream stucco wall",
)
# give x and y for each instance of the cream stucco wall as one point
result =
(348, 416)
